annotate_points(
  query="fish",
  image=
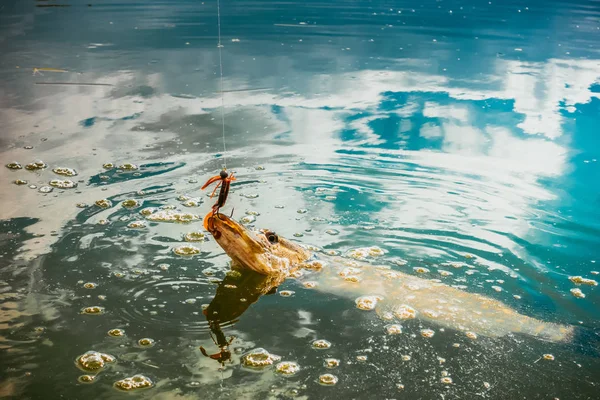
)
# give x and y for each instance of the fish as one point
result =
(392, 294)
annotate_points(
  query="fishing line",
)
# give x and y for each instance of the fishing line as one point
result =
(221, 84)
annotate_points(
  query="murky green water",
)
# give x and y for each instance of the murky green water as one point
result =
(456, 136)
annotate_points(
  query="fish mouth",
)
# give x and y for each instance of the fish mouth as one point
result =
(243, 246)
(253, 250)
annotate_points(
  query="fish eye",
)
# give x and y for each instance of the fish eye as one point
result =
(272, 237)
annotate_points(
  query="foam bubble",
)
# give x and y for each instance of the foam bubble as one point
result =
(87, 378)
(287, 368)
(93, 310)
(471, 335)
(367, 303)
(116, 332)
(94, 361)
(247, 219)
(172, 216)
(20, 182)
(328, 379)
(136, 225)
(315, 265)
(63, 183)
(191, 203)
(427, 333)
(186, 250)
(286, 293)
(259, 359)
(331, 363)
(128, 167)
(146, 342)
(577, 293)
(579, 280)
(321, 344)
(14, 165)
(64, 171)
(195, 237)
(130, 203)
(36, 166)
(393, 329)
(405, 312)
(548, 357)
(134, 383)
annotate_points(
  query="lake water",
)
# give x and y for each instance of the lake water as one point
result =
(456, 136)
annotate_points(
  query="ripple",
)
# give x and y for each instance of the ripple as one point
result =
(162, 302)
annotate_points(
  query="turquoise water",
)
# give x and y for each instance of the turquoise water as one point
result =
(440, 131)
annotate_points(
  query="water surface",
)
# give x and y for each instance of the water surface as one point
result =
(459, 132)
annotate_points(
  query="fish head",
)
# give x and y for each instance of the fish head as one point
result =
(263, 251)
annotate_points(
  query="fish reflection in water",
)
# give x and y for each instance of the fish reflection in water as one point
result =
(235, 294)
